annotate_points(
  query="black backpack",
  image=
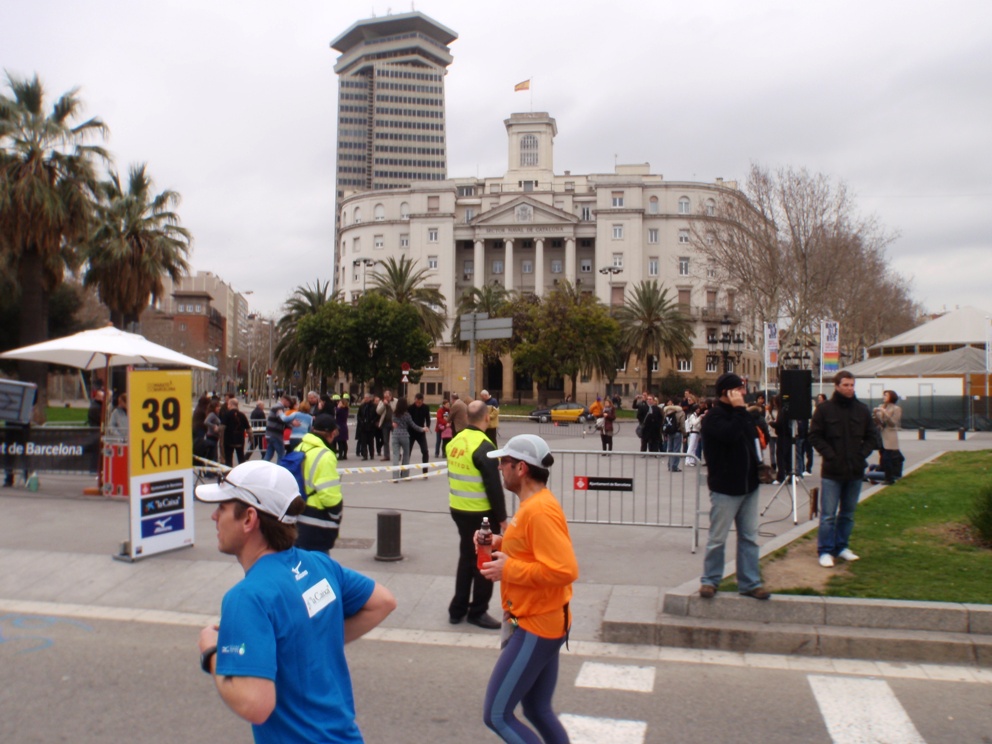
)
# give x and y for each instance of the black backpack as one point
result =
(671, 424)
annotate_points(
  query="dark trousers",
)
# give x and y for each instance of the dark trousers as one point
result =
(472, 590)
(420, 438)
(229, 450)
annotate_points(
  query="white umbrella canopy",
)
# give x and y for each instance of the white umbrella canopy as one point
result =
(103, 347)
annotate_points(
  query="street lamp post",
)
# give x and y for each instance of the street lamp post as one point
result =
(730, 343)
(797, 357)
(611, 270)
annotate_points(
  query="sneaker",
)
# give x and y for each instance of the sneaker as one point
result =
(848, 555)
(707, 591)
(827, 560)
(807, 472)
(757, 593)
(776, 482)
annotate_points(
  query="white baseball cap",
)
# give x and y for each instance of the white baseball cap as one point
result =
(529, 448)
(268, 487)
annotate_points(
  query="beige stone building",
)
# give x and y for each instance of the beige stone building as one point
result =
(530, 229)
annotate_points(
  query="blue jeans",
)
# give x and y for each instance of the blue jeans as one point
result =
(674, 442)
(838, 500)
(741, 511)
(276, 447)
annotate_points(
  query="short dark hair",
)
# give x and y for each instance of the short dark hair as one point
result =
(842, 375)
(540, 475)
(279, 535)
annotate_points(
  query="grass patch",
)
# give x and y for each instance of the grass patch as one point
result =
(66, 415)
(915, 540)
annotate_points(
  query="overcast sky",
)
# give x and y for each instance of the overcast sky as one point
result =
(232, 103)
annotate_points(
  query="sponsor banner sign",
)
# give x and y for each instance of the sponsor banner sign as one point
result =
(50, 449)
(593, 483)
(771, 345)
(830, 348)
(160, 458)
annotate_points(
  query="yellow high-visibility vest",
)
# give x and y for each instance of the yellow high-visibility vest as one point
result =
(467, 492)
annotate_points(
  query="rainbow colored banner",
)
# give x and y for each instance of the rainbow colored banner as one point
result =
(829, 348)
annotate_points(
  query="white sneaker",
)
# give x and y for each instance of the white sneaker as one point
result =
(847, 555)
(776, 483)
(827, 560)
(806, 472)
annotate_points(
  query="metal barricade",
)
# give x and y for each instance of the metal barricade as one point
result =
(630, 488)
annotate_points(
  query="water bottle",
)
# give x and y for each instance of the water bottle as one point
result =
(484, 544)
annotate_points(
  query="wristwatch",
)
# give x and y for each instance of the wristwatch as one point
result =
(205, 657)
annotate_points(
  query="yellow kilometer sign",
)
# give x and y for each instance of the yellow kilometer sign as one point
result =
(158, 413)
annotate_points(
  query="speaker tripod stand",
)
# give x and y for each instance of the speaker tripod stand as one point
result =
(792, 479)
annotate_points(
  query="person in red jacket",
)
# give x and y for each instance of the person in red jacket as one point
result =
(536, 565)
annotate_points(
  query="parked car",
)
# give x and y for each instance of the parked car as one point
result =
(569, 411)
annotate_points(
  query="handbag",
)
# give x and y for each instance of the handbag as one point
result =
(639, 431)
(600, 422)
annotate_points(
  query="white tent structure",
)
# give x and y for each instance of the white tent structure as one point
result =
(940, 369)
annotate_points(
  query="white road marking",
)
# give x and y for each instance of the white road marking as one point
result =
(589, 730)
(862, 711)
(616, 677)
(594, 649)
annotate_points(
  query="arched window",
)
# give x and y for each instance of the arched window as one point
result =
(528, 150)
(379, 213)
(684, 205)
(404, 211)
(653, 205)
(710, 208)
(358, 215)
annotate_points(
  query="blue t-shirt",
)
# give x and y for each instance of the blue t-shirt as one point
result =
(298, 432)
(285, 622)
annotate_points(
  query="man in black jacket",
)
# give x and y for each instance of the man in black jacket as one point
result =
(843, 433)
(731, 452)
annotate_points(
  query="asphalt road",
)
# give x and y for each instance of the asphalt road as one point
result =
(83, 681)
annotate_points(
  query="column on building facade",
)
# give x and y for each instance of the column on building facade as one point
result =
(479, 262)
(570, 260)
(508, 265)
(539, 267)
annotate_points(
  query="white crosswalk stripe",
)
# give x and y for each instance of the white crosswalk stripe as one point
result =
(616, 677)
(589, 730)
(862, 711)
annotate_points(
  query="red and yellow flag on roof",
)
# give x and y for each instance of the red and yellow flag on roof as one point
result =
(525, 85)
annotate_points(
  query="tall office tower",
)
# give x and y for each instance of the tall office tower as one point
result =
(391, 126)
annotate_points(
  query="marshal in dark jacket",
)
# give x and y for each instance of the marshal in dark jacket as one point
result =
(844, 434)
(729, 449)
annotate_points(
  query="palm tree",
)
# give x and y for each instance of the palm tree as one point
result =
(137, 241)
(47, 187)
(290, 354)
(651, 324)
(399, 281)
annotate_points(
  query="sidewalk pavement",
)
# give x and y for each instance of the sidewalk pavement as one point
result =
(58, 546)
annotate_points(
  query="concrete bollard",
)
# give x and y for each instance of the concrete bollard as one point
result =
(388, 536)
(921, 433)
(961, 434)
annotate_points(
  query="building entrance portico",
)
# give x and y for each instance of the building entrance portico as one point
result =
(525, 246)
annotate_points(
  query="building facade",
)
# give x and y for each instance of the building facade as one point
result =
(530, 229)
(391, 122)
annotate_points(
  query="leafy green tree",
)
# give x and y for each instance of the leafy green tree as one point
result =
(138, 240)
(368, 341)
(651, 325)
(47, 185)
(564, 335)
(291, 354)
(401, 282)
